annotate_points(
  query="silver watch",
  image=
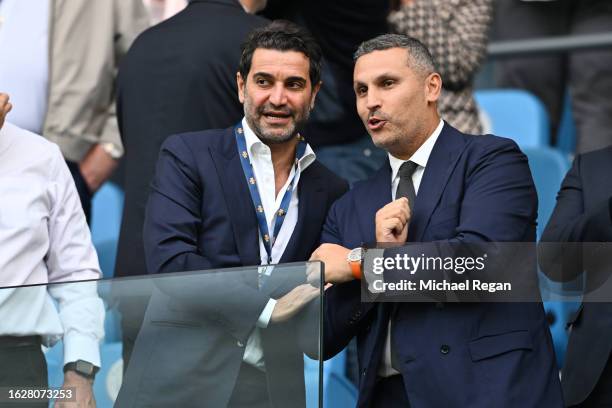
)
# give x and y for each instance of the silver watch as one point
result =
(112, 150)
(356, 255)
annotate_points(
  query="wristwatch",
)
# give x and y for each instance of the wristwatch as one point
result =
(83, 368)
(112, 150)
(354, 259)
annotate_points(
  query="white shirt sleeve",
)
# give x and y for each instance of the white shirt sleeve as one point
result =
(72, 257)
(266, 314)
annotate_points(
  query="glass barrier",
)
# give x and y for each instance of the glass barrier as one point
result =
(239, 337)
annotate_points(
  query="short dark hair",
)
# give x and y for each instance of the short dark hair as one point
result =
(282, 35)
(419, 57)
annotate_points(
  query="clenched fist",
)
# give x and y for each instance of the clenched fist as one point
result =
(392, 222)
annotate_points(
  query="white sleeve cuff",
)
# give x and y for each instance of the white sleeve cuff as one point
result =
(266, 314)
(81, 347)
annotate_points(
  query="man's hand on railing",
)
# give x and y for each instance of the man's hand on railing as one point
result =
(287, 306)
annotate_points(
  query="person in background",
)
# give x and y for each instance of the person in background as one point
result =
(334, 129)
(161, 10)
(59, 61)
(456, 33)
(583, 214)
(44, 239)
(586, 74)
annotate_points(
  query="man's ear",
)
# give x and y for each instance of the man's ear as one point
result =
(433, 87)
(241, 84)
(315, 91)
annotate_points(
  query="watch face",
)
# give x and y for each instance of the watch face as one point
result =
(355, 255)
(84, 367)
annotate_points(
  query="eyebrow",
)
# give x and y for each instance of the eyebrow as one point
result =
(296, 79)
(381, 77)
(265, 75)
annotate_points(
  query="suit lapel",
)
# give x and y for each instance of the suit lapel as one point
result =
(440, 165)
(378, 189)
(237, 199)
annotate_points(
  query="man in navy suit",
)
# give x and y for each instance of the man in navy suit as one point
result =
(438, 185)
(583, 214)
(252, 194)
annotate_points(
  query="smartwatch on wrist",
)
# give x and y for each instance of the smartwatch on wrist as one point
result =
(354, 259)
(82, 368)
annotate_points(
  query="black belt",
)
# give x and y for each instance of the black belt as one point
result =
(18, 341)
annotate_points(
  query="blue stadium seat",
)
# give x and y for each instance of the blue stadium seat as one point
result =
(548, 167)
(515, 114)
(566, 135)
(107, 207)
(338, 391)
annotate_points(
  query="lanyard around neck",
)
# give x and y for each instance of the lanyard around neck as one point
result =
(281, 213)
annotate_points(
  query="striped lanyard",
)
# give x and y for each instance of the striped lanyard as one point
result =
(247, 168)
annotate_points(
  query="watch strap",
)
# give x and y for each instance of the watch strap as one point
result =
(83, 368)
(356, 269)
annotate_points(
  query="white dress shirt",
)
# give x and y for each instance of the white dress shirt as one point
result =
(260, 157)
(420, 157)
(24, 52)
(44, 239)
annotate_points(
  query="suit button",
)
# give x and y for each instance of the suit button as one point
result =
(363, 372)
(239, 343)
(444, 349)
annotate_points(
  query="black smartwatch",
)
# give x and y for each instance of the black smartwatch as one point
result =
(83, 368)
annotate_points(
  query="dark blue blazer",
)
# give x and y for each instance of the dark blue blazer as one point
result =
(583, 214)
(200, 216)
(474, 189)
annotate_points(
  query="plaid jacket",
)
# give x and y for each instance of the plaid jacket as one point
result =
(456, 33)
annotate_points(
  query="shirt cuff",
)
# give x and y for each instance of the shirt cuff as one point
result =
(266, 314)
(81, 347)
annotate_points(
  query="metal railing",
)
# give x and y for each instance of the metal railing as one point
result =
(549, 45)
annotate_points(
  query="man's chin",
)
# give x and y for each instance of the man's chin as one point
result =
(276, 137)
(381, 141)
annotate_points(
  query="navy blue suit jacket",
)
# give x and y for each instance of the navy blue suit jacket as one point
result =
(474, 189)
(200, 216)
(583, 214)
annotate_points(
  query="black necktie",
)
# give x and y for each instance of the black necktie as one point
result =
(405, 188)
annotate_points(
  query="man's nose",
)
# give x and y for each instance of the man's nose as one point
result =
(373, 101)
(278, 95)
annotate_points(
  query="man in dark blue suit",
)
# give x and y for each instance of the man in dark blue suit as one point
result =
(252, 194)
(583, 214)
(438, 185)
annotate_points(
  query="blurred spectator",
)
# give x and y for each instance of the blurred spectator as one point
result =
(44, 239)
(456, 33)
(334, 129)
(179, 76)
(59, 60)
(588, 74)
(584, 214)
(164, 9)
